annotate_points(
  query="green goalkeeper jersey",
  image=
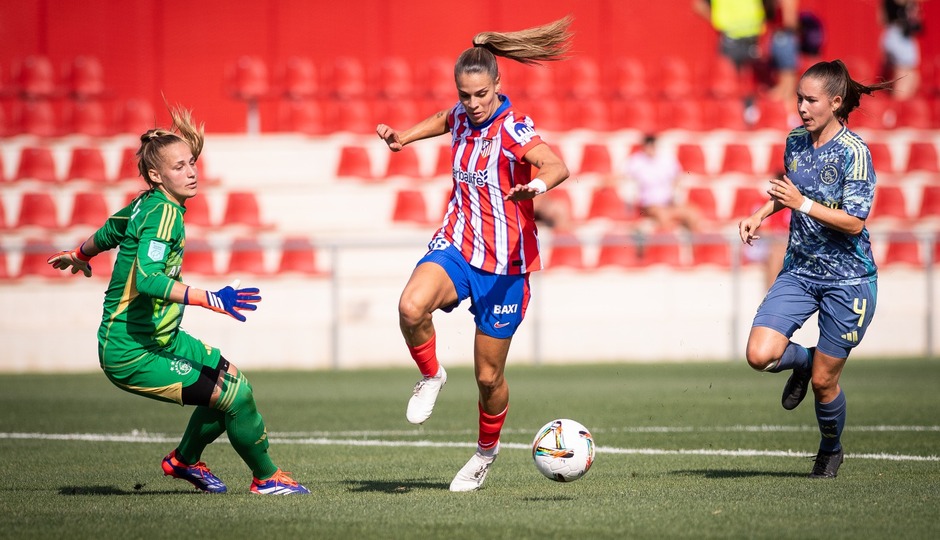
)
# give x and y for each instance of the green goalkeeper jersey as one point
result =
(137, 314)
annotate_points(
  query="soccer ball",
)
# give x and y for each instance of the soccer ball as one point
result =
(563, 450)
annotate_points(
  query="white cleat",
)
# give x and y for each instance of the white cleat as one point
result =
(421, 404)
(472, 475)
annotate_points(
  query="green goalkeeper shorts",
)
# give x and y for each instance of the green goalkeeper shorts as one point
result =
(162, 373)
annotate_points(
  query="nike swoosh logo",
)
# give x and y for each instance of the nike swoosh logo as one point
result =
(500, 324)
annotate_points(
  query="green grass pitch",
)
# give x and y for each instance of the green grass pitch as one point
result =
(698, 450)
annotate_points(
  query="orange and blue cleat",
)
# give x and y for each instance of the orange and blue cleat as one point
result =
(197, 475)
(279, 484)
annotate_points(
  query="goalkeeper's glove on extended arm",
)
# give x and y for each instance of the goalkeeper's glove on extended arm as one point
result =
(75, 258)
(229, 300)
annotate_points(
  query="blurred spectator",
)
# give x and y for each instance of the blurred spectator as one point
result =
(740, 24)
(784, 48)
(902, 22)
(655, 173)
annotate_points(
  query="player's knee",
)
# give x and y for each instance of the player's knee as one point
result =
(488, 383)
(236, 396)
(760, 356)
(411, 313)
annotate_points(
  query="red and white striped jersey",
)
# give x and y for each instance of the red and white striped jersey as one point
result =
(493, 235)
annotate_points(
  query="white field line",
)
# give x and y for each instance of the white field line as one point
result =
(275, 438)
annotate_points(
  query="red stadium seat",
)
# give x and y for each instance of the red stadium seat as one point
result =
(566, 252)
(737, 159)
(595, 159)
(606, 203)
(746, 201)
(89, 209)
(35, 77)
(725, 114)
(38, 209)
(246, 257)
(774, 114)
(35, 255)
(403, 163)
(639, 114)
(241, 208)
(687, 114)
(135, 117)
(538, 82)
(298, 256)
(128, 172)
(36, 163)
(675, 78)
(629, 80)
(85, 77)
(444, 165)
(35, 117)
(410, 207)
(247, 78)
(930, 203)
(881, 157)
(352, 116)
(299, 78)
(617, 250)
(711, 249)
(691, 158)
(393, 78)
(301, 116)
(199, 257)
(723, 79)
(914, 113)
(860, 68)
(888, 203)
(4, 269)
(588, 113)
(583, 79)
(400, 113)
(438, 81)
(902, 249)
(354, 162)
(86, 118)
(703, 199)
(923, 158)
(87, 163)
(874, 112)
(775, 165)
(197, 211)
(661, 249)
(346, 78)
(3, 217)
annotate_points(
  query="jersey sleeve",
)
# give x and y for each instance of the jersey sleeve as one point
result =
(158, 231)
(859, 190)
(522, 136)
(109, 236)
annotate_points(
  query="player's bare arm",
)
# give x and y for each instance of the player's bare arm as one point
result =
(432, 126)
(552, 172)
(788, 195)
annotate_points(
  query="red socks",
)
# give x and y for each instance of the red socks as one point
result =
(426, 357)
(490, 426)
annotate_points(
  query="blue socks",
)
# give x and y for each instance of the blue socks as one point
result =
(831, 419)
(796, 357)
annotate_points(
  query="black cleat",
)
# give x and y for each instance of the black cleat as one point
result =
(797, 386)
(827, 464)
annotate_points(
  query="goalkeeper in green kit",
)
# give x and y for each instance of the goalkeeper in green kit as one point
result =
(140, 344)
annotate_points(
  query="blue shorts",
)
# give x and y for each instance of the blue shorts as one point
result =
(783, 50)
(497, 301)
(845, 311)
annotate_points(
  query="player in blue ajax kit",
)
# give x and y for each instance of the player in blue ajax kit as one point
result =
(829, 184)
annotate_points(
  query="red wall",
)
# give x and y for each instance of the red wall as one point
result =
(181, 47)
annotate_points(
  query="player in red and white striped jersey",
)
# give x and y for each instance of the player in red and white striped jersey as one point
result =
(488, 243)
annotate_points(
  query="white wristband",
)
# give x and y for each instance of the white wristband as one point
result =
(807, 204)
(539, 186)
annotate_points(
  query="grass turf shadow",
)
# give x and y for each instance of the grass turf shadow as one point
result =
(112, 490)
(719, 474)
(403, 486)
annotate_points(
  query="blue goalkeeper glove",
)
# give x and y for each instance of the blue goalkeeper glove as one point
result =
(229, 300)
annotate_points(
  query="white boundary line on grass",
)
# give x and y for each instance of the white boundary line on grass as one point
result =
(143, 437)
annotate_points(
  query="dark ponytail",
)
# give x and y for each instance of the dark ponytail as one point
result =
(837, 82)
